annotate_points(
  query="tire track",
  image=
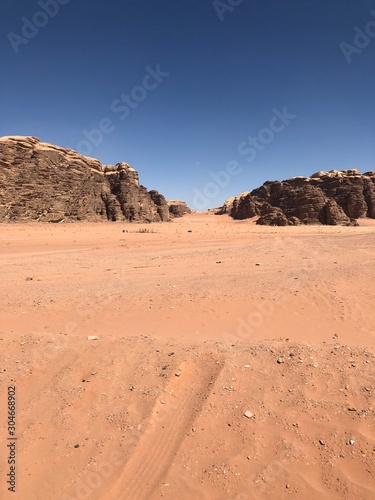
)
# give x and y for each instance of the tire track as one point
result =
(183, 399)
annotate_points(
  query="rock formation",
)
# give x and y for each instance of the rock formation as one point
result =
(333, 198)
(178, 208)
(47, 183)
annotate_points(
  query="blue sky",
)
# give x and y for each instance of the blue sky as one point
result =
(224, 68)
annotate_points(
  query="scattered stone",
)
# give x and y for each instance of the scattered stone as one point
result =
(280, 361)
(76, 446)
(248, 414)
(92, 337)
(322, 442)
(351, 442)
(171, 354)
(29, 278)
(258, 264)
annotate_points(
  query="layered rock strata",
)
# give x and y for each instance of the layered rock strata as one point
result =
(46, 183)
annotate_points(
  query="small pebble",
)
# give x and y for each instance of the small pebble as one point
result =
(248, 414)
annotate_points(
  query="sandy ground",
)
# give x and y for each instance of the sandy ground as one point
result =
(194, 329)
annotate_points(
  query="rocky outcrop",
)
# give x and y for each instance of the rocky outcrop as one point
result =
(47, 183)
(273, 217)
(333, 198)
(178, 208)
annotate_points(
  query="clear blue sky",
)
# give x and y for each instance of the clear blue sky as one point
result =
(225, 78)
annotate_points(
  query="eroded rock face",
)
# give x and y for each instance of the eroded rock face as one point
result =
(333, 198)
(178, 208)
(46, 183)
(274, 217)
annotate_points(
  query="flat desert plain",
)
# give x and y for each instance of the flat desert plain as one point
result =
(205, 359)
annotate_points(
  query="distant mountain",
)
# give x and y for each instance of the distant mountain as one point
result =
(333, 198)
(46, 183)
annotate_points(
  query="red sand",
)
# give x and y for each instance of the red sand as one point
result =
(146, 430)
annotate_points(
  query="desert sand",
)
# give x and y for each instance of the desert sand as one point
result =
(194, 324)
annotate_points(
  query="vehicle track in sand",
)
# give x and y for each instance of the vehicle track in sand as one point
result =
(182, 400)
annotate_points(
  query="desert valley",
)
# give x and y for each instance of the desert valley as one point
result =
(157, 352)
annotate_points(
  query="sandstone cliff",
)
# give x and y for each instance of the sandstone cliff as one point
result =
(333, 198)
(47, 183)
(178, 208)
